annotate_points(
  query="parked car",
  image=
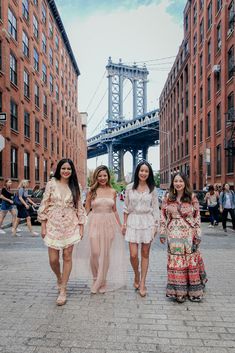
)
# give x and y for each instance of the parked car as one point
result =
(36, 197)
(161, 194)
(204, 212)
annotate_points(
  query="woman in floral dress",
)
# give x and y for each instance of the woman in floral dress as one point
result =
(141, 219)
(180, 226)
(62, 217)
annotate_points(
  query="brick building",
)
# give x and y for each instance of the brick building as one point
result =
(197, 102)
(38, 92)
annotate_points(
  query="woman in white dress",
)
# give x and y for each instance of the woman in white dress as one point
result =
(141, 219)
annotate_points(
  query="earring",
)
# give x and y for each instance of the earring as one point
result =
(174, 190)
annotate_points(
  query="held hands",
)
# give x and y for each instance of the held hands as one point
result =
(81, 230)
(123, 229)
(162, 240)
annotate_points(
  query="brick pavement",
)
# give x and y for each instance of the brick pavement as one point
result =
(115, 322)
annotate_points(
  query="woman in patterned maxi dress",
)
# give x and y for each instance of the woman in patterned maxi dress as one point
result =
(62, 217)
(180, 225)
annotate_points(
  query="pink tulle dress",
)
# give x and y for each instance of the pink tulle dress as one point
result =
(62, 219)
(101, 256)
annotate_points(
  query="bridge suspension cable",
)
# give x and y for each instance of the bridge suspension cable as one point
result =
(96, 90)
(98, 105)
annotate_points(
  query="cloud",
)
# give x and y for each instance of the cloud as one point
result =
(176, 8)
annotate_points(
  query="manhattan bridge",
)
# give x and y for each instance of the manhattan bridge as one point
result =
(123, 135)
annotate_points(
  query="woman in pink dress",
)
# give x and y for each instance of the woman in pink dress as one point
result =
(103, 244)
(180, 226)
(62, 217)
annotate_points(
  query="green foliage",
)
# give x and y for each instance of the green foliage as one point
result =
(157, 179)
(117, 185)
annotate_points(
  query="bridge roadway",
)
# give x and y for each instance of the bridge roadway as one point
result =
(136, 134)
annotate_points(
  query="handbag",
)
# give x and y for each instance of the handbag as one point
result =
(16, 200)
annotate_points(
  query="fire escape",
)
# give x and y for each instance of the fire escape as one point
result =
(229, 144)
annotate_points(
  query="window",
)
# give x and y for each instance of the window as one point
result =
(230, 106)
(208, 88)
(57, 66)
(231, 15)
(45, 137)
(35, 59)
(26, 84)
(25, 9)
(209, 52)
(52, 114)
(194, 74)
(218, 5)
(36, 95)
(218, 79)
(26, 124)
(201, 3)
(14, 163)
(186, 23)
(186, 124)
(51, 83)
(195, 43)
(52, 142)
(201, 97)
(209, 15)
(218, 159)
(50, 29)
(57, 42)
(194, 135)
(44, 13)
(12, 24)
(58, 145)
(35, 26)
(45, 170)
(35, 2)
(57, 92)
(37, 167)
(44, 104)
(26, 165)
(37, 131)
(58, 119)
(44, 43)
(194, 104)
(195, 14)
(186, 147)
(230, 165)
(209, 124)
(14, 115)
(201, 130)
(201, 31)
(230, 62)
(25, 43)
(201, 65)
(13, 69)
(44, 73)
(51, 56)
(219, 36)
(218, 117)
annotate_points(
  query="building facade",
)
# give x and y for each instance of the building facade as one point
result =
(38, 93)
(197, 102)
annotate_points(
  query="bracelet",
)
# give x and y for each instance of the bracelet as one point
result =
(124, 225)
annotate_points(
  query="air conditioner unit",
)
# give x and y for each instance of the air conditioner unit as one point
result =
(230, 31)
(216, 68)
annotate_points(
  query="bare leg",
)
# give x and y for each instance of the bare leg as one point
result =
(28, 221)
(13, 214)
(54, 260)
(2, 216)
(17, 221)
(133, 247)
(145, 248)
(67, 265)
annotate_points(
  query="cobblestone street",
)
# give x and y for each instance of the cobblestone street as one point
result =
(114, 322)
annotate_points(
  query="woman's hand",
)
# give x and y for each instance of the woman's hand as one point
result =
(81, 230)
(11, 202)
(123, 229)
(27, 206)
(196, 241)
(43, 230)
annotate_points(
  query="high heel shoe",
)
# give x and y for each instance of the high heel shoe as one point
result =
(62, 298)
(136, 283)
(143, 292)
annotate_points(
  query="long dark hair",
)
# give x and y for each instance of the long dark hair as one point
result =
(94, 182)
(187, 195)
(150, 181)
(73, 179)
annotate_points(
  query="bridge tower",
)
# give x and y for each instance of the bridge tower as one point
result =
(117, 73)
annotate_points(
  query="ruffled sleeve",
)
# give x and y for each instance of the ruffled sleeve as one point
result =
(163, 220)
(43, 209)
(197, 218)
(127, 199)
(81, 213)
(155, 206)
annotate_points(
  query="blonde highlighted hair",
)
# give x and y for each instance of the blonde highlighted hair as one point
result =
(23, 184)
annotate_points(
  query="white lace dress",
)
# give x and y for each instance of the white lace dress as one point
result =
(143, 215)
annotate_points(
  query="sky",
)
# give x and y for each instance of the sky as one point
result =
(142, 31)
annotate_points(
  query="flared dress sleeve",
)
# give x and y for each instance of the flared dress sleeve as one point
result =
(126, 207)
(81, 213)
(155, 206)
(163, 220)
(197, 218)
(43, 209)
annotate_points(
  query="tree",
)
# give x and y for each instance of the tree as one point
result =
(157, 179)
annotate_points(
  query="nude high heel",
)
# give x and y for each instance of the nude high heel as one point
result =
(62, 298)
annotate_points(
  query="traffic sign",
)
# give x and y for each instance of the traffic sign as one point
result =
(3, 117)
(2, 142)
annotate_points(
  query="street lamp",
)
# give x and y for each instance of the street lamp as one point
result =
(167, 133)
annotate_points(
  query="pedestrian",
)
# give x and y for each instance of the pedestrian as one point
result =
(101, 256)
(180, 227)
(23, 203)
(227, 205)
(212, 199)
(205, 188)
(62, 218)
(7, 204)
(141, 220)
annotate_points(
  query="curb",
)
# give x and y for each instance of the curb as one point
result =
(9, 225)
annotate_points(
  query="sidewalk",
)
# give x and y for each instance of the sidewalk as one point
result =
(119, 321)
